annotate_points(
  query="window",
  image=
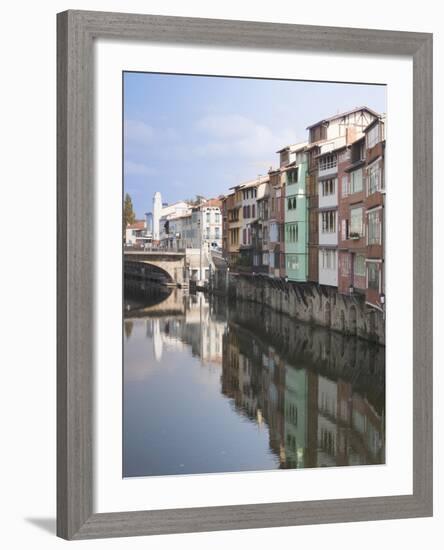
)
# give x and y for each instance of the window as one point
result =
(373, 275)
(317, 133)
(374, 227)
(359, 265)
(292, 261)
(271, 259)
(345, 265)
(329, 221)
(373, 136)
(327, 162)
(292, 232)
(355, 223)
(217, 232)
(291, 203)
(292, 176)
(344, 186)
(345, 230)
(253, 211)
(217, 217)
(328, 187)
(357, 151)
(356, 181)
(328, 259)
(374, 178)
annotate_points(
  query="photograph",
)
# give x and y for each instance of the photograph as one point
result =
(254, 299)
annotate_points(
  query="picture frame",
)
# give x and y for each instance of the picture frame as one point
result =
(76, 32)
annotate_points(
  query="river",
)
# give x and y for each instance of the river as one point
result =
(211, 386)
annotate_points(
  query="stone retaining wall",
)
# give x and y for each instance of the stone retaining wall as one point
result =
(312, 303)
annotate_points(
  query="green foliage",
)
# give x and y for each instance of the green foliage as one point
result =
(129, 215)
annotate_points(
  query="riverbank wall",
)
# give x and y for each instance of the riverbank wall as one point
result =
(309, 303)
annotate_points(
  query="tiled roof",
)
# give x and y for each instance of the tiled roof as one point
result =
(340, 115)
(138, 224)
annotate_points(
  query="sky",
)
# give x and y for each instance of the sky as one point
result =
(200, 135)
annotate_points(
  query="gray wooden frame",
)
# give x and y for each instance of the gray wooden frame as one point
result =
(76, 32)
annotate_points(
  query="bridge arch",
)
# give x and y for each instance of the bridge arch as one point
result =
(163, 267)
(147, 271)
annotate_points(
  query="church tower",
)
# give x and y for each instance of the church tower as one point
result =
(157, 212)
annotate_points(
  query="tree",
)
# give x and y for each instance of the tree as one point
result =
(129, 215)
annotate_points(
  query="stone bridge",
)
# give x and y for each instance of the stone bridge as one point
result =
(163, 267)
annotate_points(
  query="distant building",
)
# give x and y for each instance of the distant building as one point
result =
(225, 204)
(276, 242)
(242, 214)
(135, 233)
(234, 216)
(149, 223)
(374, 213)
(184, 225)
(169, 213)
(296, 251)
(325, 138)
(206, 219)
(351, 238)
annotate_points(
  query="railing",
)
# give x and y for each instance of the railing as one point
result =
(328, 170)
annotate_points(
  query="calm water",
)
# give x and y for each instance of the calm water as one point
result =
(211, 387)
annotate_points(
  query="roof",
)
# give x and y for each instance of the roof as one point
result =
(138, 224)
(380, 118)
(252, 183)
(178, 216)
(213, 202)
(340, 115)
(294, 147)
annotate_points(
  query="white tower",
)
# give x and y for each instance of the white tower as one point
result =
(157, 212)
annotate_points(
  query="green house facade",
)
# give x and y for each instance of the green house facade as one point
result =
(296, 416)
(296, 233)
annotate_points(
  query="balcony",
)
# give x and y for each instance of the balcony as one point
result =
(327, 170)
(354, 236)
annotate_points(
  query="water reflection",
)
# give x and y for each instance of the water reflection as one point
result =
(211, 387)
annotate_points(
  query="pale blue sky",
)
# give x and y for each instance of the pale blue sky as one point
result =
(187, 135)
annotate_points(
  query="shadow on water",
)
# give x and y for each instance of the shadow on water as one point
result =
(218, 387)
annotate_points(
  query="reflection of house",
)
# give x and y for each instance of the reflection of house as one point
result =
(314, 415)
(295, 417)
(193, 327)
